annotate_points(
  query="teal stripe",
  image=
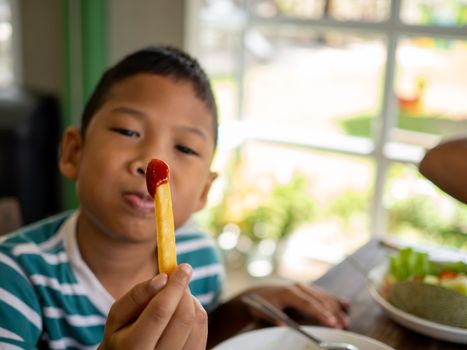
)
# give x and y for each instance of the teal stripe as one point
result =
(72, 304)
(38, 232)
(88, 336)
(199, 286)
(18, 343)
(17, 323)
(202, 257)
(185, 237)
(19, 287)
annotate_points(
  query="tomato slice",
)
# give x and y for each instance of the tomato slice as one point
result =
(448, 275)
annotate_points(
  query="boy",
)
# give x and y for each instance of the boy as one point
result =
(61, 277)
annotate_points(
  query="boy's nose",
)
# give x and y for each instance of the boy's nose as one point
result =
(137, 167)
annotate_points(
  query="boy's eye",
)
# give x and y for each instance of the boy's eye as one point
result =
(186, 150)
(126, 132)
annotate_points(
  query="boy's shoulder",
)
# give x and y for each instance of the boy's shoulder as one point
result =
(35, 234)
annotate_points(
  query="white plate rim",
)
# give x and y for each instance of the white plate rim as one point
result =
(313, 329)
(415, 323)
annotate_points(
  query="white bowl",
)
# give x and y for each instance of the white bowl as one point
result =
(417, 324)
(281, 338)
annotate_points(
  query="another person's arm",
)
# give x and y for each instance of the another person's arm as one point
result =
(308, 300)
(446, 166)
(158, 314)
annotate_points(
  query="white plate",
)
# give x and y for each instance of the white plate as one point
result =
(280, 338)
(429, 328)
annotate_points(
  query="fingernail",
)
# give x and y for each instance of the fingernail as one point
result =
(186, 268)
(158, 281)
(183, 270)
(331, 320)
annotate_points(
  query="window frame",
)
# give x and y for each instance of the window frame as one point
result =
(379, 148)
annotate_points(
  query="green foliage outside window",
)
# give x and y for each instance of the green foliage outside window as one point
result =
(272, 210)
(261, 214)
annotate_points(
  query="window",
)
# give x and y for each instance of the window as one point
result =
(348, 94)
(7, 75)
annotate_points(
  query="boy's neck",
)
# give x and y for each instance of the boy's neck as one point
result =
(117, 265)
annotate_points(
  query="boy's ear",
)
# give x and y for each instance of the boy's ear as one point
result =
(70, 153)
(204, 194)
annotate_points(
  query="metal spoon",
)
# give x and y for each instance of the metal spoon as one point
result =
(257, 302)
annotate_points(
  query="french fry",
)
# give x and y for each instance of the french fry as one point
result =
(157, 181)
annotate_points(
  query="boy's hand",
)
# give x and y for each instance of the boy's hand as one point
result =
(308, 300)
(157, 314)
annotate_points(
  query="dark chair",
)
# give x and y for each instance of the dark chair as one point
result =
(29, 142)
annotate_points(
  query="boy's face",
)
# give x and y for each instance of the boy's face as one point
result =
(144, 117)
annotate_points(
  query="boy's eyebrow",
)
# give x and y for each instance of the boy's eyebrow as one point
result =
(195, 131)
(139, 114)
(129, 110)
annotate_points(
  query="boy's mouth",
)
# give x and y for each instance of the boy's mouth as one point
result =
(139, 201)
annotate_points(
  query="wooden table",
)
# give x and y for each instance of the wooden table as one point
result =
(367, 317)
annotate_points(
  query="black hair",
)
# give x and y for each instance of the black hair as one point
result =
(165, 61)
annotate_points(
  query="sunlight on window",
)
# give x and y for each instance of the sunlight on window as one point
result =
(316, 81)
(372, 11)
(6, 31)
(448, 13)
(419, 212)
(314, 205)
(431, 85)
(317, 99)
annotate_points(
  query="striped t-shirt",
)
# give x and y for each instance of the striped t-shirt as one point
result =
(50, 299)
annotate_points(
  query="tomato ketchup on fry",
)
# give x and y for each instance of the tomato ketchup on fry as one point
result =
(157, 173)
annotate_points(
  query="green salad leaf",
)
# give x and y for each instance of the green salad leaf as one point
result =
(409, 263)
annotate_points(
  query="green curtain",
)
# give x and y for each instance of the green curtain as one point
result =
(86, 49)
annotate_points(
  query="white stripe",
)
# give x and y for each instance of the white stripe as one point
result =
(21, 307)
(4, 346)
(183, 233)
(41, 248)
(208, 270)
(54, 241)
(65, 343)
(5, 259)
(64, 288)
(205, 298)
(5, 333)
(75, 320)
(185, 247)
(33, 249)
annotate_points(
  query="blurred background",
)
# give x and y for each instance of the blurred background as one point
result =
(326, 108)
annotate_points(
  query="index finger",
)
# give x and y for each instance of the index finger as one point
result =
(153, 321)
(127, 308)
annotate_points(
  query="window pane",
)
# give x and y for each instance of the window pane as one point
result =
(419, 212)
(6, 31)
(306, 79)
(451, 13)
(431, 85)
(288, 8)
(323, 214)
(363, 10)
(219, 56)
(360, 10)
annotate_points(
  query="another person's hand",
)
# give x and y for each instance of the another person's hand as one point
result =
(308, 300)
(157, 314)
